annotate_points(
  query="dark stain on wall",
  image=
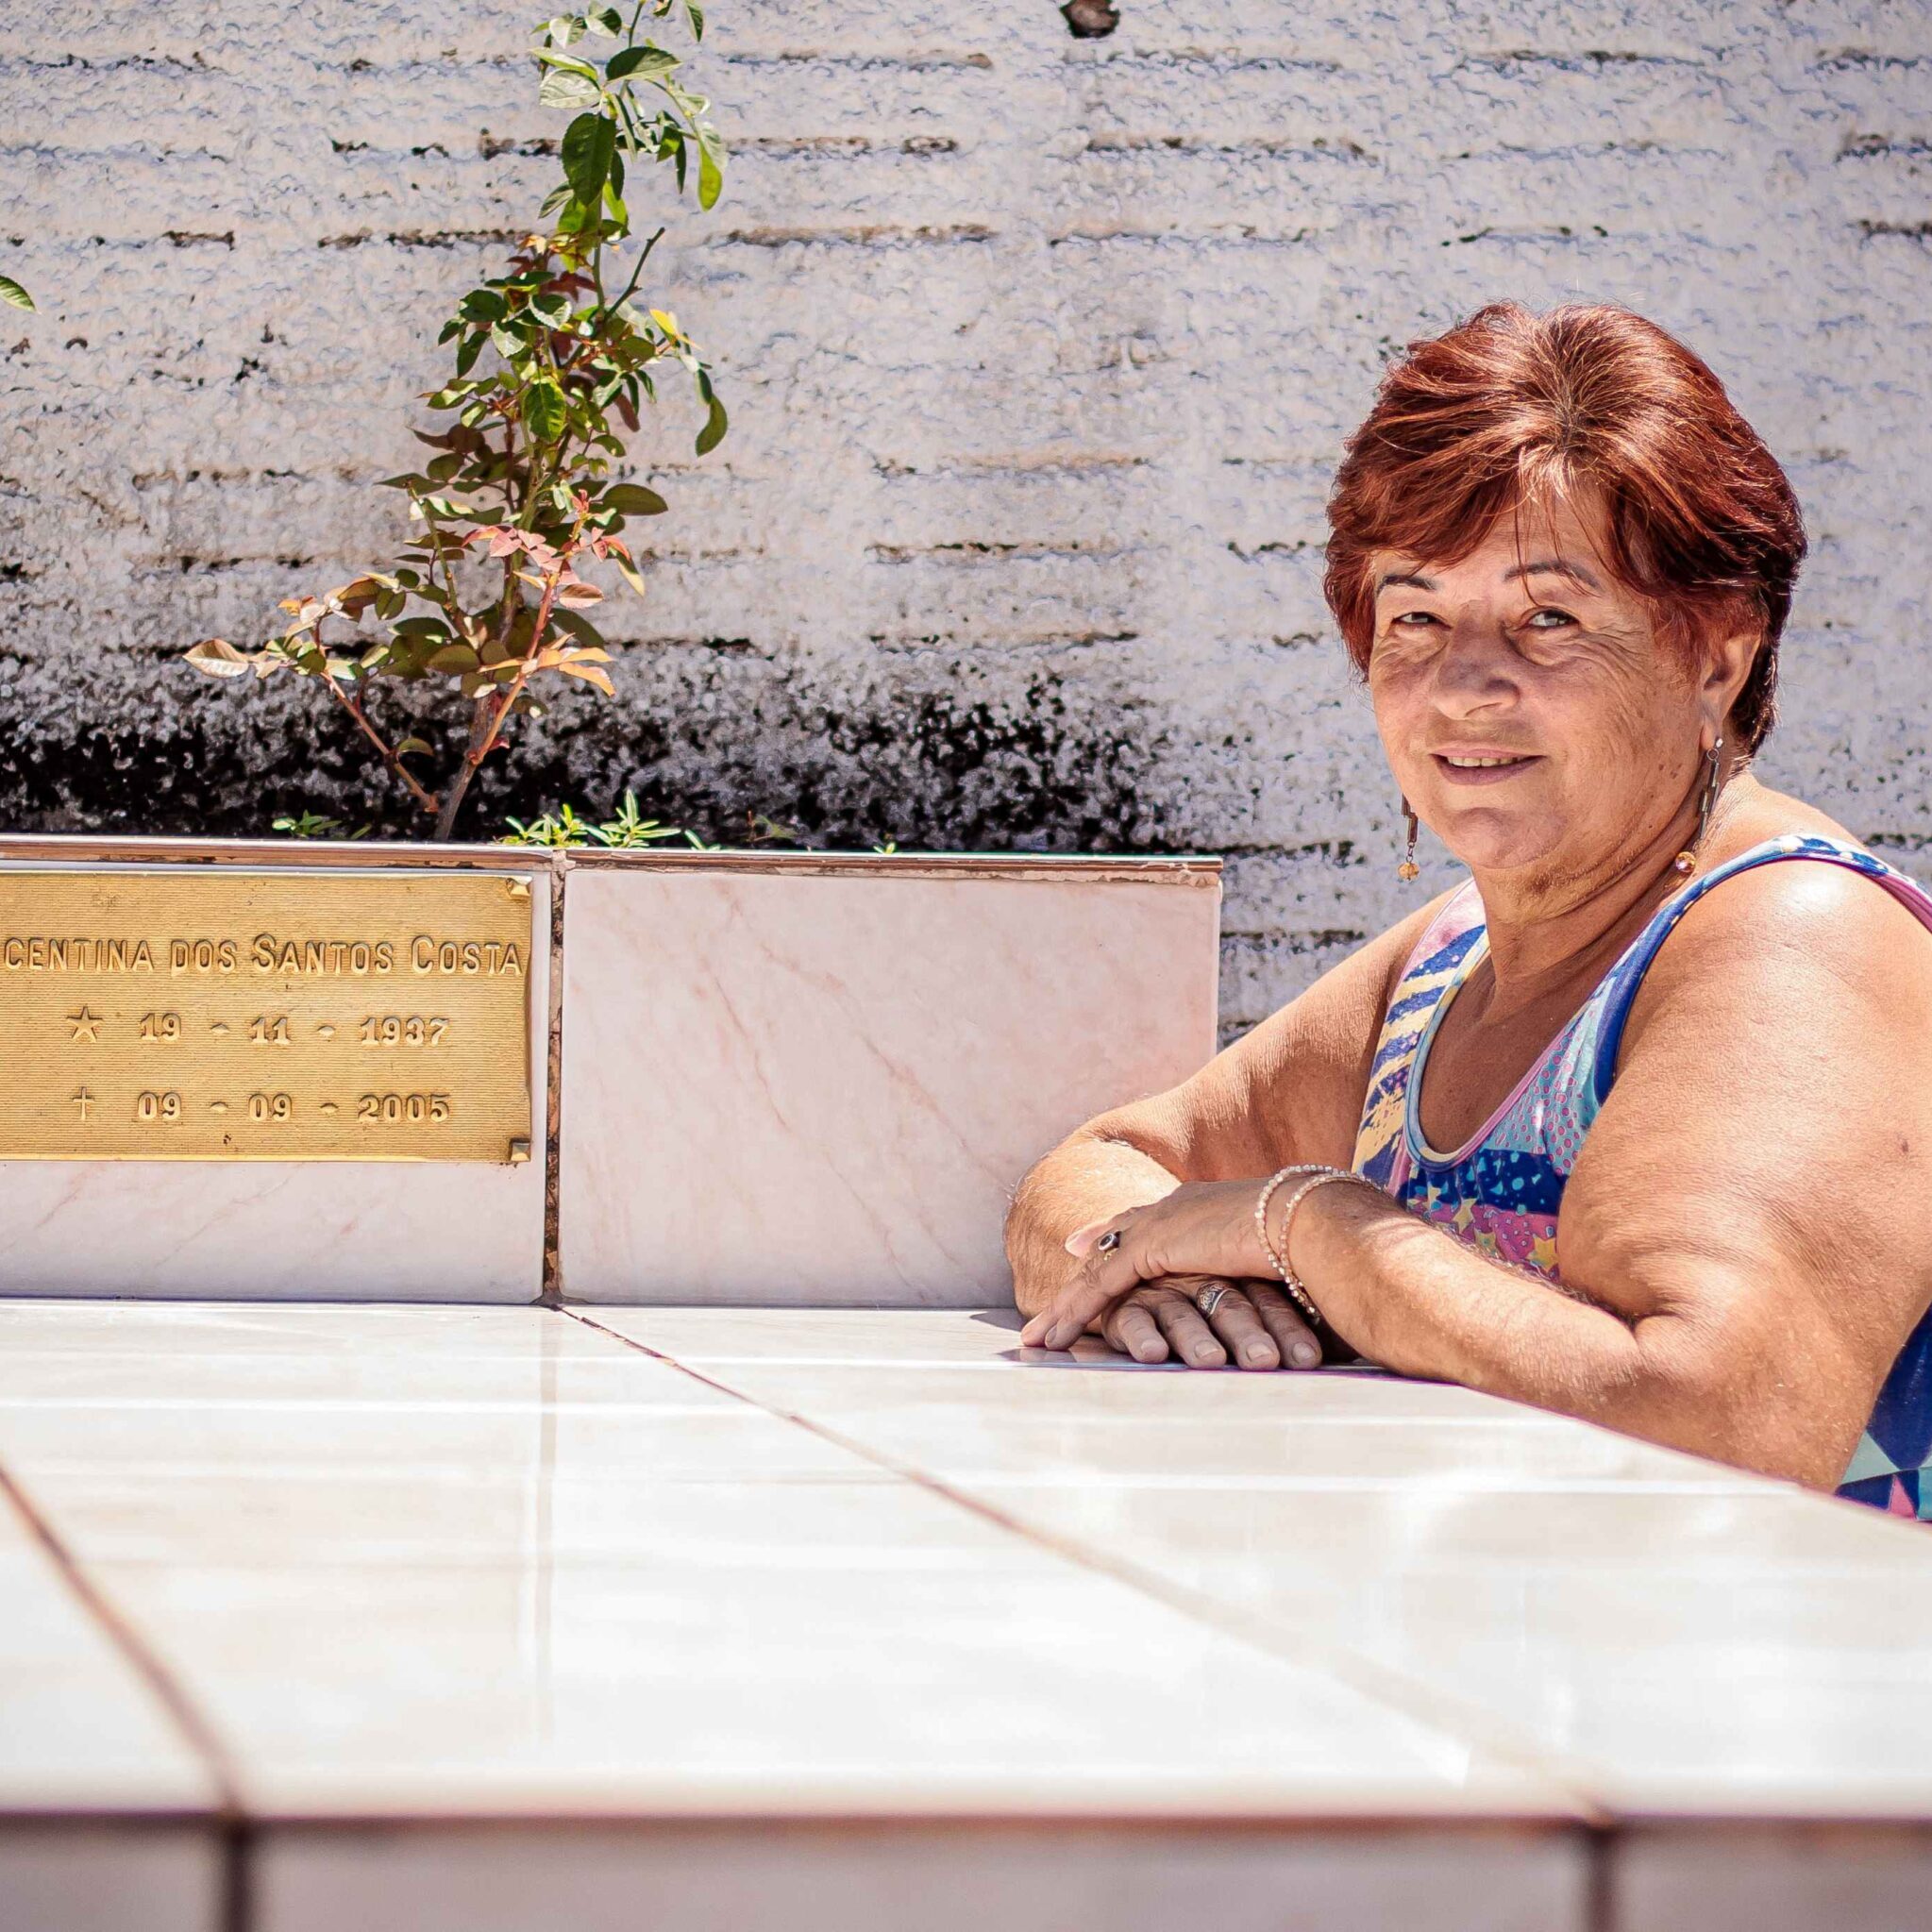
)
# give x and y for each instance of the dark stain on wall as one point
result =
(712, 742)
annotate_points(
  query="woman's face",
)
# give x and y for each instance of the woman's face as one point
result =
(1528, 711)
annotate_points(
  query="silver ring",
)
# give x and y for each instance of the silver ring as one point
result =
(1109, 1241)
(1208, 1299)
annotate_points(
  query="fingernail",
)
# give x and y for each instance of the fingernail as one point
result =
(1305, 1354)
(1079, 1240)
(1254, 1352)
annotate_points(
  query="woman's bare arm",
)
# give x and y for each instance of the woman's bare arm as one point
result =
(1750, 1215)
(1290, 1090)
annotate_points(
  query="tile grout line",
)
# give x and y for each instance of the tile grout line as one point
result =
(550, 1290)
(229, 1820)
(1470, 1722)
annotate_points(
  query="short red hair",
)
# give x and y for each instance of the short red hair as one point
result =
(1509, 408)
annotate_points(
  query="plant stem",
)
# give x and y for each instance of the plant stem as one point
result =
(452, 799)
(425, 800)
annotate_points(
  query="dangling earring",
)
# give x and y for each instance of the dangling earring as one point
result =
(1686, 861)
(1408, 868)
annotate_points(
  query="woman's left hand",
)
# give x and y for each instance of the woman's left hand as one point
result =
(1201, 1228)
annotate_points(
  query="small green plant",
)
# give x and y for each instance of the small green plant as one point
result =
(313, 825)
(567, 826)
(552, 360)
(12, 292)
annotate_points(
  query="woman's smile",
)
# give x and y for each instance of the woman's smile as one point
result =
(1482, 768)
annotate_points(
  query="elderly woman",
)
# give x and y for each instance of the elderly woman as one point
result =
(1635, 1123)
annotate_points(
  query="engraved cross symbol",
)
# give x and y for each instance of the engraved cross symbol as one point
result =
(86, 1024)
(83, 1099)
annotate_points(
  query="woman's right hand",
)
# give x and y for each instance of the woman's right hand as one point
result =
(1253, 1325)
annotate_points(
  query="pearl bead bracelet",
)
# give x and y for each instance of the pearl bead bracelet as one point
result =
(1316, 1174)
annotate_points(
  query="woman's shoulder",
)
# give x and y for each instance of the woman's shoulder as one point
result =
(1790, 910)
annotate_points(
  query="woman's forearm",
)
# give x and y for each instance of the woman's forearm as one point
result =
(1414, 1298)
(1089, 1178)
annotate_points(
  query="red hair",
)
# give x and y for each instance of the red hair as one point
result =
(1509, 409)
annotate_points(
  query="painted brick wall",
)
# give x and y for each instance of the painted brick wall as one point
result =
(1038, 350)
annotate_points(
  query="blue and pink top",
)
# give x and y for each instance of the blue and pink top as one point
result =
(1502, 1191)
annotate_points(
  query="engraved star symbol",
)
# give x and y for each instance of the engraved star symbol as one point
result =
(86, 1025)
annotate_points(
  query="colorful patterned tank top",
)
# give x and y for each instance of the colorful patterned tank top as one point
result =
(1502, 1190)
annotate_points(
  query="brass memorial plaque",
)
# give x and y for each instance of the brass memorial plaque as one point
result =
(213, 1014)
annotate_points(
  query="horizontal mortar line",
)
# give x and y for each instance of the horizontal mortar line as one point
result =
(697, 556)
(1315, 459)
(918, 60)
(1559, 234)
(427, 238)
(1581, 60)
(1898, 231)
(990, 639)
(1348, 151)
(1848, 59)
(1222, 60)
(224, 480)
(1859, 147)
(117, 151)
(1314, 940)
(974, 552)
(1276, 547)
(880, 234)
(1041, 463)
(1587, 150)
(840, 146)
(720, 647)
(1198, 238)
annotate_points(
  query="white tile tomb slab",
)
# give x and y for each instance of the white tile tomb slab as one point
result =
(1682, 1637)
(81, 1730)
(418, 1231)
(819, 1083)
(416, 1586)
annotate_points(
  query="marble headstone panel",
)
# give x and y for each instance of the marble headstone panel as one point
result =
(815, 1083)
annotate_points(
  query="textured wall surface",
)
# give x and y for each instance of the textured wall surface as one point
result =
(1038, 350)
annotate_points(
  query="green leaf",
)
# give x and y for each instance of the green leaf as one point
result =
(410, 745)
(566, 63)
(589, 142)
(10, 291)
(563, 88)
(604, 20)
(455, 657)
(710, 171)
(467, 352)
(544, 412)
(482, 305)
(635, 499)
(716, 424)
(579, 626)
(422, 627)
(695, 14)
(647, 61)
